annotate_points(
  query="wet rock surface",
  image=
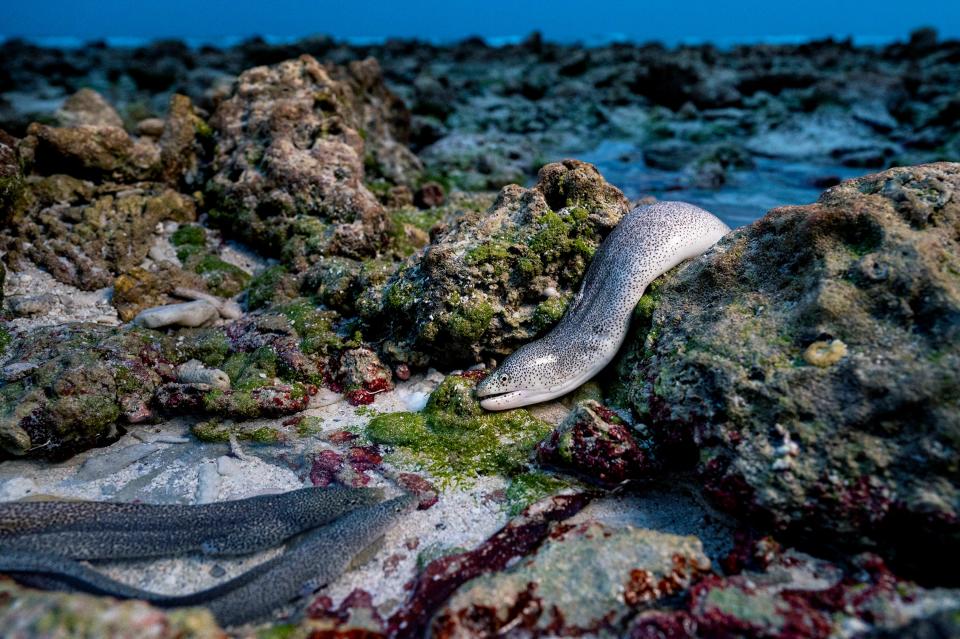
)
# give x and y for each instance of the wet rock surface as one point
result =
(790, 594)
(812, 357)
(595, 442)
(29, 613)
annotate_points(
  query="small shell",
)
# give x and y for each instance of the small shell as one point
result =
(194, 372)
(824, 354)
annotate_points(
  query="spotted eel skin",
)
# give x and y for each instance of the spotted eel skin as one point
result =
(106, 530)
(310, 561)
(647, 242)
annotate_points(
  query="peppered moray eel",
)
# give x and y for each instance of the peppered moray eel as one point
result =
(647, 242)
(104, 530)
(309, 561)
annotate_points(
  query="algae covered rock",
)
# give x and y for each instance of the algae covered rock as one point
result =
(67, 388)
(289, 158)
(453, 438)
(497, 279)
(786, 593)
(593, 441)
(584, 579)
(32, 613)
(86, 235)
(813, 359)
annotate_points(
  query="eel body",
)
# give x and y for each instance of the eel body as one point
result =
(311, 560)
(107, 530)
(647, 242)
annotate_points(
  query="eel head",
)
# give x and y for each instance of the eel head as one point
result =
(528, 376)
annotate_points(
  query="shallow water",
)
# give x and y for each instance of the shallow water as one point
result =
(747, 195)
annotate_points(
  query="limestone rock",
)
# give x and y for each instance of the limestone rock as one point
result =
(813, 360)
(497, 279)
(289, 157)
(583, 580)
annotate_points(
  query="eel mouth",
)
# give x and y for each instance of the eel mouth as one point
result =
(502, 401)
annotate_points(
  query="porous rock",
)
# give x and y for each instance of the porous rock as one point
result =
(583, 580)
(594, 442)
(497, 279)
(86, 235)
(791, 594)
(87, 107)
(289, 156)
(83, 381)
(32, 613)
(860, 445)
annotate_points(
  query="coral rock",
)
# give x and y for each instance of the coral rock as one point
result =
(813, 360)
(289, 156)
(477, 290)
(596, 443)
(584, 580)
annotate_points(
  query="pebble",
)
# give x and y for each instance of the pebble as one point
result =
(26, 305)
(190, 314)
(228, 466)
(194, 372)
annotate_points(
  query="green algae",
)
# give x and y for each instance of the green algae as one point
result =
(280, 631)
(262, 288)
(470, 320)
(491, 251)
(217, 431)
(315, 327)
(400, 295)
(208, 345)
(454, 439)
(549, 312)
(310, 426)
(423, 220)
(5, 339)
(222, 278)
(189, 235)
(530, 488)
(251, 370)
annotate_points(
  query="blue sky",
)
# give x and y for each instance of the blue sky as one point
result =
(669, 21)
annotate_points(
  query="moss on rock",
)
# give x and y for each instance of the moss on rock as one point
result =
(475, 291)
(809, 366)
(454, 439)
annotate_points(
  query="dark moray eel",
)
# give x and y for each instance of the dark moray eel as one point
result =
(108, 530)
(310, 560)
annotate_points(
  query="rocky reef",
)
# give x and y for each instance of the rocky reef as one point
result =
(239, 270)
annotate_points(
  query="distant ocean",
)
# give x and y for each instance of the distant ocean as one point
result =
(73, 42)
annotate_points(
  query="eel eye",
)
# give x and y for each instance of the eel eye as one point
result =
(504, 378)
